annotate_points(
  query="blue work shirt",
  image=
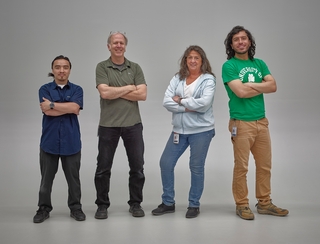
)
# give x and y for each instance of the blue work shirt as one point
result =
(61, 134)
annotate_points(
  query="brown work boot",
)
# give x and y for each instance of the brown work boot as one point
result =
(244, 212)
(271, 209)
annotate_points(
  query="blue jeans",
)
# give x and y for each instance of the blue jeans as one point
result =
(199, 145)
(134, 145)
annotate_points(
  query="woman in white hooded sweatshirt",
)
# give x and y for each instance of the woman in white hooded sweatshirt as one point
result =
(189, 97)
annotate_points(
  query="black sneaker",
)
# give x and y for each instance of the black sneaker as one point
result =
(102, 213)
(78, 215)
(162, 209)
(41, 215)
(192, 212)
(136, 210)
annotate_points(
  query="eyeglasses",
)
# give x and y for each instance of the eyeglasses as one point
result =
(117, 32)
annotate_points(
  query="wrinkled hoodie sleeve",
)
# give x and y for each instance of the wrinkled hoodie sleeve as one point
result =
(175, 88)
(202, 102)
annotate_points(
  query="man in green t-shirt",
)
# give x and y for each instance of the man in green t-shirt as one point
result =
(121, 85)
(246, 79)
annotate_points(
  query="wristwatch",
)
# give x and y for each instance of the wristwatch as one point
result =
(51, 105)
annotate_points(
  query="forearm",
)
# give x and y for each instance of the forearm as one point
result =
(52, 112)
(61, 108)
(264, 87)
(140, 94)
(110, 92)
(66, 108)
(248, 92)
(268, 85)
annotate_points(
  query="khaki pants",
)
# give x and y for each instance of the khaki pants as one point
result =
(251, 137)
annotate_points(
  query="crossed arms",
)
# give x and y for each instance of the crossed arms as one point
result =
(247, 90)
(59, 108)
(128, 92)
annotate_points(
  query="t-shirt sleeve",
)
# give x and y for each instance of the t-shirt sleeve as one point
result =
(264, 68)
(229, 73)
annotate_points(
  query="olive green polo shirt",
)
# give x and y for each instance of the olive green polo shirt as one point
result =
(119, 112)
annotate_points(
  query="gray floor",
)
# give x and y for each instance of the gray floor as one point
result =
(215, 224)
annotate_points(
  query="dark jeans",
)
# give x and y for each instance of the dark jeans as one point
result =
(134, 146)
(49, 166)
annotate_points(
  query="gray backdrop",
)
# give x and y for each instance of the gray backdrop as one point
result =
(33, 32)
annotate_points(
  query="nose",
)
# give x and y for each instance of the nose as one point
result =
(61, 70)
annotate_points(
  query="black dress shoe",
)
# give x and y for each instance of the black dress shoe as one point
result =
(78, 215)
(41, 215)
(192, 212)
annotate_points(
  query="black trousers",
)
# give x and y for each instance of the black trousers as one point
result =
(49, 166)
(107, 145)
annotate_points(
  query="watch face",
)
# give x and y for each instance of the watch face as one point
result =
(51, 105)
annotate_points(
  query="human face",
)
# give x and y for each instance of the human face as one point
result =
(61, 71)
(241, 44)
(194, 62)
(117, 46)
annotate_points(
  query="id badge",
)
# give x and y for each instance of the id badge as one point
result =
(175, 138)
(234, 131)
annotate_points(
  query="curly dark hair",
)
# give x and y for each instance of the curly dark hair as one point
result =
(228, 41)
(56, 58)
(205, 67)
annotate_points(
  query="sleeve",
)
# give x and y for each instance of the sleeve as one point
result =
(77, 96)
(172, 91)
(229, 73)
(101, 75)
(204, 102)
(139, 76)
(44, 93)
(264, 68)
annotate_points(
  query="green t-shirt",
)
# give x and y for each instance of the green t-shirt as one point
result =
(248, 109)
(119, 112)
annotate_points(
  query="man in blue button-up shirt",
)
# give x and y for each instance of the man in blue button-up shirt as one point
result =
(60, 102)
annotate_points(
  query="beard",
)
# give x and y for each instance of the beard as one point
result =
(241, 52)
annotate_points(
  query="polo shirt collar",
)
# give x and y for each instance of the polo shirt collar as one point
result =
(54, 84)
(111, 65)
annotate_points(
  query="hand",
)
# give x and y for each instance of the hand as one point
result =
(45, 105)
(132, 87)
(177, 99)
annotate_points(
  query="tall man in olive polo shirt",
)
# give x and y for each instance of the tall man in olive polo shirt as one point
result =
(121, 85)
